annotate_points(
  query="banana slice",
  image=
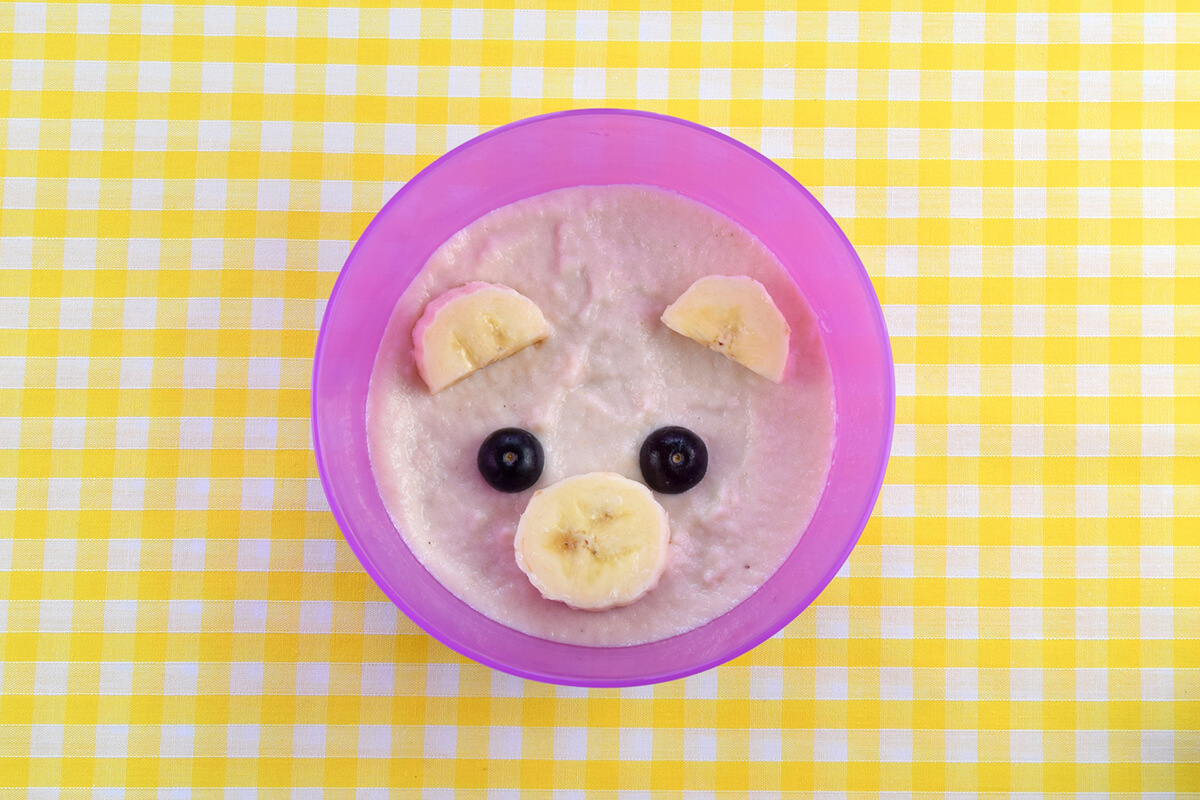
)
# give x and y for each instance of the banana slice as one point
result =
(735, 316)
(593, 541)
(469, 327)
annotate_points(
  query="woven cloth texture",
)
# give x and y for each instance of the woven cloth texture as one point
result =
(179, 614)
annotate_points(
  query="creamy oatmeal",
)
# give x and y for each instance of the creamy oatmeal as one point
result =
(602, 263)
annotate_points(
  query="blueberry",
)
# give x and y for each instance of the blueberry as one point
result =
(673, 460)
(510, 460)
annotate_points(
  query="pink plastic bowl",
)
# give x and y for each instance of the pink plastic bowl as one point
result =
(603, 147)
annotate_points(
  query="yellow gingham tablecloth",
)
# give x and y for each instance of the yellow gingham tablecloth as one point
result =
(181, 185)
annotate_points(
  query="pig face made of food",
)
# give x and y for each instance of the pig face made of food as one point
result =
(598, 539)
(579, 406)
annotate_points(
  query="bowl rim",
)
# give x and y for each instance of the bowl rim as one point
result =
(795, 608)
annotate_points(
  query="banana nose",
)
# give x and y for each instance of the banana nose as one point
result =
(593, 541)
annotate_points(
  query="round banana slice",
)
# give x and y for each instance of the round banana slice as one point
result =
(735, 316)
(593, 541)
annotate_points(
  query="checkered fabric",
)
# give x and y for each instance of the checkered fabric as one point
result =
(181, 185)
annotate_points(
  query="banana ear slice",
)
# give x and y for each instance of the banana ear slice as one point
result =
(735, 316)
(469, 327)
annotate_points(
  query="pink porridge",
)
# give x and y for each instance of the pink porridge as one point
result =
(602, 264)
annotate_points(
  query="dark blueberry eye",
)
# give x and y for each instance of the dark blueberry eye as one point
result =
(673, 460)
(510, 460)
